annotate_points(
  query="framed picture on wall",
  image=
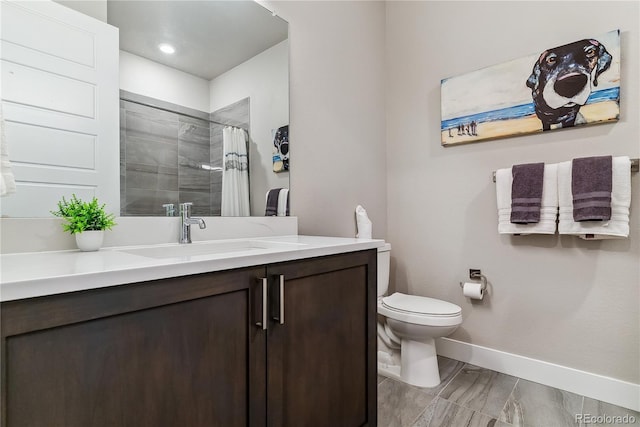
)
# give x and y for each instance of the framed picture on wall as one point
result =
(281, 149)
(564, 86)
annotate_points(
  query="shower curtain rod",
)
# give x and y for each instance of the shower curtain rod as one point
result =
(635, 167)
(168, 110)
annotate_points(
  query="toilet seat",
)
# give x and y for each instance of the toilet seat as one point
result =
(420, 310)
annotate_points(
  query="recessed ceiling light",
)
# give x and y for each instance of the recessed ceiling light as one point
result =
(166, 48)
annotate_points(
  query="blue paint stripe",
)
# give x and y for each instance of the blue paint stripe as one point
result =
(515, 112)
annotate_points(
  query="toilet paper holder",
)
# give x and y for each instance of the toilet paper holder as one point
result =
(477, 274)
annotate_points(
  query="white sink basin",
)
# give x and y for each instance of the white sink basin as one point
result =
(210, 248)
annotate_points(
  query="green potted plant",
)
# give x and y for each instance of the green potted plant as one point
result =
(86, 220)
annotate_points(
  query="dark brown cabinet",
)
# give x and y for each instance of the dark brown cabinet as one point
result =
(172, 352)
(321, 363)
(194, 351)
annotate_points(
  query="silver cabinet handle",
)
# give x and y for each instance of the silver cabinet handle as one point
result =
(265, 298)
(281, 277)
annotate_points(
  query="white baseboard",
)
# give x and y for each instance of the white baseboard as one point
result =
(606, 389)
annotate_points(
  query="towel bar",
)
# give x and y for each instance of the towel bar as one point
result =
(635, 167)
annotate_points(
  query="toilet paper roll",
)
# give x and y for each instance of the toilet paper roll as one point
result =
(473, 290)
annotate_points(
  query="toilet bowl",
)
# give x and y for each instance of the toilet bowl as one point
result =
(410, 324)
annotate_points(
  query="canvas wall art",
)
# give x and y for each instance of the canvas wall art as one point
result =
(281, 149)
(570, 85)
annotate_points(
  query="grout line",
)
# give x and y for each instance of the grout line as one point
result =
(433, 402)
(479, 411)
(476, 411)
(582, 412)
(385, 379)
(452, 378)
(507, 401)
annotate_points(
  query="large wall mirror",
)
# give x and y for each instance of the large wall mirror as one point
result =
(204, 92)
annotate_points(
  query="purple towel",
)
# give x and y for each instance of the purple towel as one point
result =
(287, 210)
(272, 202)
(526, 193)
(591, 188)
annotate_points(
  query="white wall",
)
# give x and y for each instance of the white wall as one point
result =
(94, 8)
(149, 78)
(337, 114)
(557, 299)
(265, 80)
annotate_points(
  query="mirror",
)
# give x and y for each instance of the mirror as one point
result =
(227, 67)
(228, 71)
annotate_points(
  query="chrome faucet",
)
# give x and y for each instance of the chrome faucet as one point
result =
(169, 209)
(186, 220)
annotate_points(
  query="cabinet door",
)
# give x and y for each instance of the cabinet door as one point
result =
(175, 352)
(321, 360)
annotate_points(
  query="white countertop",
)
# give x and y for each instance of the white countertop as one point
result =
(36, 274)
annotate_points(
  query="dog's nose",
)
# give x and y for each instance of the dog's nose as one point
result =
(570, 85)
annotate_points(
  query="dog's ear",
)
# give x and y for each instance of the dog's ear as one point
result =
(604, 60)
(532, 81)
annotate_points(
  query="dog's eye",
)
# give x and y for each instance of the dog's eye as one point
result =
(590, 52)
(551, 59)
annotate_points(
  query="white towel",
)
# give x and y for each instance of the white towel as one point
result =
(282, 201)
(7, 180)
(548, 209)
(615, 228)
(363, 224)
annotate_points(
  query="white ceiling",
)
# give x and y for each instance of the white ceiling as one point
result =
(210, 37)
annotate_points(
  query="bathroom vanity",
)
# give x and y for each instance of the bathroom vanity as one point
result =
(285, 337)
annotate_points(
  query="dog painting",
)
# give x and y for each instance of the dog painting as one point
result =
(563, 78)
(574, 84)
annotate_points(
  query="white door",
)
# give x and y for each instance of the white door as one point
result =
(60, 103)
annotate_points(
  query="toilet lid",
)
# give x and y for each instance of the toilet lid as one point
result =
(420, 305)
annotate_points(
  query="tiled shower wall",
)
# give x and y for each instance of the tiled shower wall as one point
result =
(162, 148)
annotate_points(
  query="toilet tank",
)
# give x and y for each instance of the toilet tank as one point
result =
(384, 260)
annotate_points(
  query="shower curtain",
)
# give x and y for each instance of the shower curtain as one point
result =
(235, 176)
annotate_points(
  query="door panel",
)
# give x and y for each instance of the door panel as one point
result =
(174, 352)
(184, 364)
(59, 81)
(321, 368)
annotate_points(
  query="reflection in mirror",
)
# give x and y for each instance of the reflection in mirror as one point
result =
(196, 78)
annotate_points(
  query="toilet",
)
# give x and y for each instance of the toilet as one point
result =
(407, 328)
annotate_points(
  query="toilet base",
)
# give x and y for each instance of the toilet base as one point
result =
(419, 363)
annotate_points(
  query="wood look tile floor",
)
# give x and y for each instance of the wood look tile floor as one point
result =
(469, 396)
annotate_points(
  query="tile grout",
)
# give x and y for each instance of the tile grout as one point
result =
(437, 396)
(477, 410)
(423, 411)
(452, 378)
(507, 401)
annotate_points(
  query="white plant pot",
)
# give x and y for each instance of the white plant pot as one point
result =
(89, 241)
